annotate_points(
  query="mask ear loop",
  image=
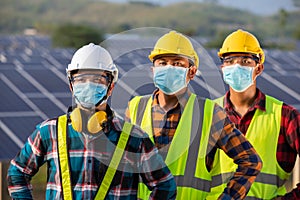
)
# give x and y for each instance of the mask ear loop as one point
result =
(187, 79)
(253, 79)
(104, 99)
(99, 119)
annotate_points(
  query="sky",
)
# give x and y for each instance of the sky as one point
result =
(259, 7)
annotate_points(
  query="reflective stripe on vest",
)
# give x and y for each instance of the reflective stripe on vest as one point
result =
(263, 133)
(63, 157)
(64, 161)
(186, 155)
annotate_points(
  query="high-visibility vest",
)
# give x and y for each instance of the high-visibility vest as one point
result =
(187, 151)
(263, 133)
(64, 165)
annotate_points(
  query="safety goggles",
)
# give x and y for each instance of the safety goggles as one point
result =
(95, 78)
(243, 60)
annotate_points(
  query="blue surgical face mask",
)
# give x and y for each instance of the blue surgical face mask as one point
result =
(238, 77)
(89, 94)
(170, 79)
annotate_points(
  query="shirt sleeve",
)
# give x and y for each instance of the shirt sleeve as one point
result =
(236, 146)
(154, 172)
(24, 166)
(290, 145)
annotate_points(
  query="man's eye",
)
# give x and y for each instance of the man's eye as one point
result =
(77, 79)
(96, 80)
(247, 61)
(228, 61)
(177, 64)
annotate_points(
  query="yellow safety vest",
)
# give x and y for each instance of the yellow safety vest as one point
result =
(263, 133)
(187, 151)
(62, 125)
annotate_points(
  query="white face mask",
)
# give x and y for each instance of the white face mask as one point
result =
(238, 77)
(170, 79)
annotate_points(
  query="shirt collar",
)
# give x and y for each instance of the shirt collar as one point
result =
(259, 102)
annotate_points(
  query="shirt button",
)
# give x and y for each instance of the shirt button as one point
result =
(88, 183)
(89, 161)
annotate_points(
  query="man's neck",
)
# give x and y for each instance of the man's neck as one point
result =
(101, 107)
(242, 101)
(167, 102)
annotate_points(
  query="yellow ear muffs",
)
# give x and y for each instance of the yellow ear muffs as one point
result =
(76, 119)
(94, 125)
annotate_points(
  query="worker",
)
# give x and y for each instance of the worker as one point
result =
(188, 129)
(90, 152)
(272, 127)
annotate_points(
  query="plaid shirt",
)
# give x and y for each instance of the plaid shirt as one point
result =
(89, 156)
(166, 122)
(225, 137)
(289, 135)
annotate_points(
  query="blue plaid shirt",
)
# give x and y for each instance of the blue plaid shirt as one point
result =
(89, 156)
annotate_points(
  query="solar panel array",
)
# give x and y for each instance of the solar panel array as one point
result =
(34, 86)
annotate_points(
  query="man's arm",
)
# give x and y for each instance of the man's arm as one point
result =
(23, 167)
(289, 146)
(154, 172)
(237, 147)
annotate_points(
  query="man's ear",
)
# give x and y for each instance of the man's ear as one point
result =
(192, 72)
(259, 69)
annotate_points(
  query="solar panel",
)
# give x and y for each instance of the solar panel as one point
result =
(34, 87)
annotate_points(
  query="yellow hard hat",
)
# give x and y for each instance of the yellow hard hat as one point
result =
(175, 43)
(242, 41)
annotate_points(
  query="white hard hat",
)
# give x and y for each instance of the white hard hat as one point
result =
(93, 57)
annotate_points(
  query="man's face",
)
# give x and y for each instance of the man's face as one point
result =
(240, 70)
(91, 87)
(172, 73)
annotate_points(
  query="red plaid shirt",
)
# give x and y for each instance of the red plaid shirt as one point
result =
(289, 136)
